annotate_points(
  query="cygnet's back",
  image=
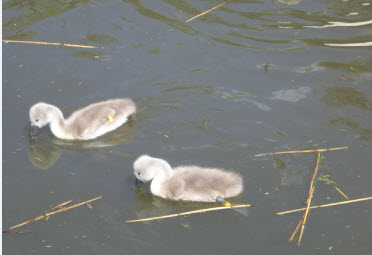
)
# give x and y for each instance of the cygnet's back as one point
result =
(87, 122)
(194, 183)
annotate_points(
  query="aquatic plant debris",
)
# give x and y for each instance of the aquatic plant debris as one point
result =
(310, 198)
(189, 212)
(301, 151)
(45, 215)
(325, 179)
(345, 78)
(61, 205)
(326, 205)
(56, 44)
(203, 13)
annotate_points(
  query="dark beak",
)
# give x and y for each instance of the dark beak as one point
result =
(138, 184)
(33, 130)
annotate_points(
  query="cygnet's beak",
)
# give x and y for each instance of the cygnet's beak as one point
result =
(138, 184)
(33, 130)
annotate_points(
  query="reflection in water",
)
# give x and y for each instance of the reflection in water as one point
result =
(150, 13)
(359, 66)
(292, 176)
(239, 96)
(341, 96)
(291, 95)
(289, 2)
(43, 153)
(33, 12)
(89, 54)
(123, 135)
(344, 24)
(100, 39)
(148, 205)
(314, 67)
(361, 132)
(240, 27)
(365, 44)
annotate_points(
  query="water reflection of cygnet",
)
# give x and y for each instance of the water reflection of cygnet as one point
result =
(292, 175)
(148, 205)
(44, 151)
(122, 135)
(43, 154)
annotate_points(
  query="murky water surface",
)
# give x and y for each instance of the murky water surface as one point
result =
(249, 77)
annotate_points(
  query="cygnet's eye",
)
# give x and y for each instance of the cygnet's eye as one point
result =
(139, 174)
(37, 120)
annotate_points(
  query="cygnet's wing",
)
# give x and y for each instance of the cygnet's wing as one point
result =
(100, 118)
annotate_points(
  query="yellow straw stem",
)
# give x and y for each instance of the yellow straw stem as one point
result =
(301, 151)
(189, 212)
(334, 186)
(295, 231)
(56, 44)
(61, 205)
(342, 193)
(203, 13)
(326, 205)
(54, 212)
(310, 198)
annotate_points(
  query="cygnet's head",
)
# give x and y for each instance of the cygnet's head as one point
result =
(38, 117)
(146, 168)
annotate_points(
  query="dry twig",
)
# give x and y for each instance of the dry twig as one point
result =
(56, 44)
(190, 212)
(310, 198)
(295, 231)
(325, 178)
(54, 212)
(326, 205)
(203, 13)
(61, 205)
(301, 151)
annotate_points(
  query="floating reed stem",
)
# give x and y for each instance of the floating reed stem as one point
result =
(324, 178)
(342, 193)
(203, 13)
(326, 205)
(190, 212)
(310, 198)
(54, 212)
(301, 151)
(296, 230)
(61, 205)
(56, 44)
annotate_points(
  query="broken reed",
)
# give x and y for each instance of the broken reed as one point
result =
(326, 205)
(203, 13)
(190, 212)
(301, 151)
(56, 44)
(54, 212)
(328, 181)
(309, 199)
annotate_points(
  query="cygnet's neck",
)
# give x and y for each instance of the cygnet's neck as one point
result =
(164, 173)
(57, 122)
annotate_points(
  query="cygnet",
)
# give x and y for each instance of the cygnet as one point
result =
(87, 123)
(187, 183)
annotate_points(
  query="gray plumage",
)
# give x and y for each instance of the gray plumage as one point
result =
(188, 183)
(84, 124)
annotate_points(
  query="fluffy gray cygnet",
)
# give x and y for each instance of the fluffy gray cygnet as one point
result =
(187, 183)
(87, 123)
